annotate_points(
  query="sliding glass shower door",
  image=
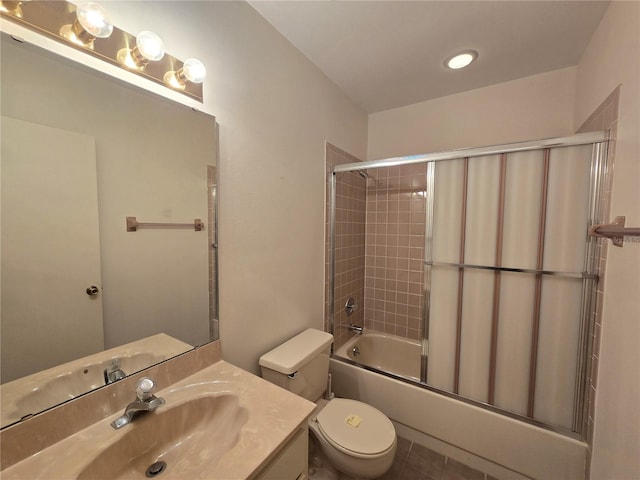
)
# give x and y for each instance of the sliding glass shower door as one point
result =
(508, 277)
(482, 256)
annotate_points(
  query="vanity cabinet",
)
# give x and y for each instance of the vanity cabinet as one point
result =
(291, 463)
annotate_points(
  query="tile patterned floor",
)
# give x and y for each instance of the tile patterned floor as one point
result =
(412, 462)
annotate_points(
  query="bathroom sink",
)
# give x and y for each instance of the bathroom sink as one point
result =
(39, 391)
(78, 381)
(177, 441)
(219, 423)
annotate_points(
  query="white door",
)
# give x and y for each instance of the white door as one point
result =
(50, 248)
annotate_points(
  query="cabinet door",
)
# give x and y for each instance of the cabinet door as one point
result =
(292, 462)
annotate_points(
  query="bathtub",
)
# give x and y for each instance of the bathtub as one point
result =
(516, 449)
(385, 352)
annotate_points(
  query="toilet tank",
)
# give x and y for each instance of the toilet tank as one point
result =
(301, 364)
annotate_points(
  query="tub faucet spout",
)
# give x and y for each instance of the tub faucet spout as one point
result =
(145, 402)
(355, 328)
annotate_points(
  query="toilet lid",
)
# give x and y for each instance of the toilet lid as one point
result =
(356, 426)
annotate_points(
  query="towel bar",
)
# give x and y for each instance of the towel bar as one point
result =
(133, 225)
(615, 230)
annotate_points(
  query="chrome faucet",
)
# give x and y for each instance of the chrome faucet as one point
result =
(113, 373)
(355, 328)
(145, 402)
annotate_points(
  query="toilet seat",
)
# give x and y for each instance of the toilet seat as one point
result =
(373, 436)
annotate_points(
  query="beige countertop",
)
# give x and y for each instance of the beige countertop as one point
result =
(270, 416)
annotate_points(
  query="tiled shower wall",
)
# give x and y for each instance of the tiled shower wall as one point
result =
(389, 289)
(605, 117)
(394, 254)
(350, 245)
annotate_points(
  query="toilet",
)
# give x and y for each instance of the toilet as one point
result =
(356, 438)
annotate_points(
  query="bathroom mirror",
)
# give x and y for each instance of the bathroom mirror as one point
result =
(81, 151)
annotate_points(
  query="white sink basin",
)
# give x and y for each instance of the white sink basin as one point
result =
(176, 441)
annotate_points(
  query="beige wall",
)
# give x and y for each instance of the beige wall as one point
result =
(539, 106)
(552, 104)
(610, 60)
(275, 111)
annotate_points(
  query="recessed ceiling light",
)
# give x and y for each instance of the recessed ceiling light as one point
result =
(461, 60)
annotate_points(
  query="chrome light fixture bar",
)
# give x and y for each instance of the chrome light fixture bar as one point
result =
(87, 28)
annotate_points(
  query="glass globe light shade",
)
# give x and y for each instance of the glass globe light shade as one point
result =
(12, 7)
(194, 71)
(150, 46)
(94, 19)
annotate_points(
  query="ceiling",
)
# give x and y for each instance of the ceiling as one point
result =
(387, 54)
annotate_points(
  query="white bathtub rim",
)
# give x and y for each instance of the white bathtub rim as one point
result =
(342, 350)
(548, 454)
(341, 355)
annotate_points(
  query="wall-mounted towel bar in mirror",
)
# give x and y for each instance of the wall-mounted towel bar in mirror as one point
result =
(133, 225)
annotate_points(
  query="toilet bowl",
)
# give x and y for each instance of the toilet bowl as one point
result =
(356, 438)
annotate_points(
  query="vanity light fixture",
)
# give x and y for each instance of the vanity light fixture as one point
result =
(92, 21)
(88, 28)
(461, 60)
(192, 70)
(148, 48)
(12, 8)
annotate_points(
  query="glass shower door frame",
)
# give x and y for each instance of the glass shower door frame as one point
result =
(589, 274)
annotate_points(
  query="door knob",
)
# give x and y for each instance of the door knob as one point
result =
(92, 290)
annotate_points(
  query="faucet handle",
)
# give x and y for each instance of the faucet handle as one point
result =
(351, 306)
(144, 389)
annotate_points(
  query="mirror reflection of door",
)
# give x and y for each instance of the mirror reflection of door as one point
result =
(50, 248)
